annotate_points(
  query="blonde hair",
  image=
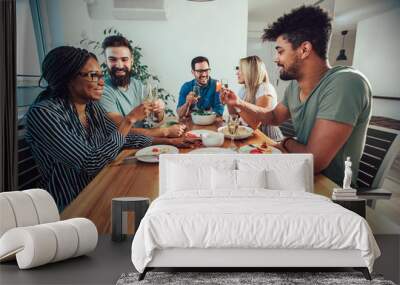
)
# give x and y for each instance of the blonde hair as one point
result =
(255, 73)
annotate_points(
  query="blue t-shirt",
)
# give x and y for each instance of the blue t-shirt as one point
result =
(209, 97)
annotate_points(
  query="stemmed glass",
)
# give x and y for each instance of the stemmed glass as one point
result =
(196, 91)
(150, 96)
(233, 126)
(224, 83)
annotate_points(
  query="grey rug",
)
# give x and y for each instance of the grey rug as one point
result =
(230, 278)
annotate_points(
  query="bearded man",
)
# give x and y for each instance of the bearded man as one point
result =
(122, 92)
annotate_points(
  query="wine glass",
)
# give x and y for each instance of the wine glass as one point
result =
(150, 96)
(224, 83)
(196, 91)
(233, 126)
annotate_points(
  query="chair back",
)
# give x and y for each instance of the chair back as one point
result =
(287, 128)
(381, 148)
(28, 171)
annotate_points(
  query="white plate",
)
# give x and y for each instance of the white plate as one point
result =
(212, 150)
(245, 132)
(150, 156)
(247, 149)
(200, 132)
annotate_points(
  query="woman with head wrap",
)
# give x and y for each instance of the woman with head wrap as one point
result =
(71, 137)
(257, 90)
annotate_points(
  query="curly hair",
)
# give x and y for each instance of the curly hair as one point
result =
(306, 23)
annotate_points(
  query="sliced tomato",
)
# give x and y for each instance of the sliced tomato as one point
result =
(155, 149)
(255, 151)
(192, 135)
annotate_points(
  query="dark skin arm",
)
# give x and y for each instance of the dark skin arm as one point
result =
(326, 139)
(257, 113)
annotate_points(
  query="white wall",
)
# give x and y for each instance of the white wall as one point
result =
(376, 54)
(217, 30)
(266, 51)
(336, 45)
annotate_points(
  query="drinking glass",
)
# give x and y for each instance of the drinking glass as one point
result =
(196, 91)
(233, 126)
(150, 96)
(224, 83)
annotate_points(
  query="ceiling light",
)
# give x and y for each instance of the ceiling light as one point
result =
(342, 52)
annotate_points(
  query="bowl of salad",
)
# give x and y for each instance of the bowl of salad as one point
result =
(203, 118)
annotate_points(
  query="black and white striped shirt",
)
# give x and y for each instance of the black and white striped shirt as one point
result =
(69, 155)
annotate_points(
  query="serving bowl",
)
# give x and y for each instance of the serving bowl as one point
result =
(203, 119)
(212, 139)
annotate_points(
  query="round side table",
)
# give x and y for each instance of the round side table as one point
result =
(119, 208)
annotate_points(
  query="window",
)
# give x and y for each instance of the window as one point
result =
(28, 56)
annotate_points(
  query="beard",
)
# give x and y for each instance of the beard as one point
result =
(118, 80)
(291, 73)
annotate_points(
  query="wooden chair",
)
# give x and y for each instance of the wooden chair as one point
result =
(28, 171)
(381, 148)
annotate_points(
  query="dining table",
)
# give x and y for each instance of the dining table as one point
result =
(128, 177)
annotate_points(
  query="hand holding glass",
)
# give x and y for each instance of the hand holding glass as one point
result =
(150, 98)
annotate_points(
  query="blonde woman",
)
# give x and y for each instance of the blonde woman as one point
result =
(256, 90)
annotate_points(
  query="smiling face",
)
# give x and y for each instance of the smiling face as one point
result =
(88, 85)
(119, 63)
(201, 72)
(239, 74)
(287, 59)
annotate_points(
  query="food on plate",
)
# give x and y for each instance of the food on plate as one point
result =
(191, 135)
(159, 150)
(260, 149)
(256, 151)
(242, 131)
(202, 113)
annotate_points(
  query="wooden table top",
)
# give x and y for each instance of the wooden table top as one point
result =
(134, 178)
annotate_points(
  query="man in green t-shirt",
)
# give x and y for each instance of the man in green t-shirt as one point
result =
(122, 93)
(330, 107)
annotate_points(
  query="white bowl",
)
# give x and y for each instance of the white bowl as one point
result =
(212, 139)
(203, 119)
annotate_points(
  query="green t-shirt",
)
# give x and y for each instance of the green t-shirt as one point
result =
(116, 100)
(343, 95)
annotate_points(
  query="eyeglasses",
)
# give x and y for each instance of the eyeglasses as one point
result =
(200, 71)
(92, 75)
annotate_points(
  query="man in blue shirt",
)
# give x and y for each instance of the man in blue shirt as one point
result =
(209, 97)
